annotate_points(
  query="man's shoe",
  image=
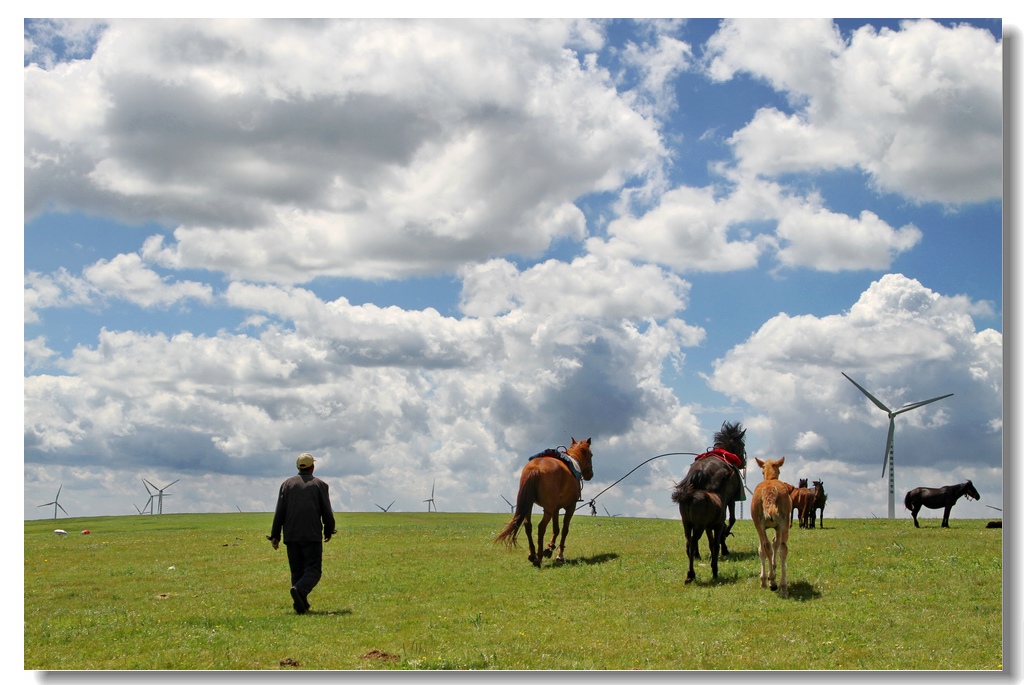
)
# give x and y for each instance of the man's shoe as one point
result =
(299, 602)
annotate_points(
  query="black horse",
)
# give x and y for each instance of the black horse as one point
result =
(819, 503)
(702, 512)
(938, 498)
(719, 476)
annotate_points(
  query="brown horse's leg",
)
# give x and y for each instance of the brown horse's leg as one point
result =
(781, 552)
(763, 551)
(565, 531)
(541, 527)
(554, 536)
(534, 558)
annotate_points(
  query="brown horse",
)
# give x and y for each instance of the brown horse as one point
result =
(770, 507)
(802, 498)
(550, 483)
(702, 512)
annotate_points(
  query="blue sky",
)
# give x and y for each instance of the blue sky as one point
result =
(426, 250)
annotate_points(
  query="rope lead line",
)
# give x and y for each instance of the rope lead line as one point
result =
(667, 454)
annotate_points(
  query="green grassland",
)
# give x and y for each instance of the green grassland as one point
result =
(431, 591)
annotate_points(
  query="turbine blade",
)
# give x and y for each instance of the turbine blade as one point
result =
(915, 405)
(170, 484)
(62, 509)
(869, 395)
(148, 486)
(888, 443)
(58, 492)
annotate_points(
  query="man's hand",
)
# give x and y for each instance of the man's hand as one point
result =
(328, 536)
(274, 541)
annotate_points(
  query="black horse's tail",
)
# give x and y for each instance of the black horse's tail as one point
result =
(524, 503)
(906, 501)
(695, 480)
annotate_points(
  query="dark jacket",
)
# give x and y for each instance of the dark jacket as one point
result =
(303, 503)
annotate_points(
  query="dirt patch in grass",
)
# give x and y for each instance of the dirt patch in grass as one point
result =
(378, 655)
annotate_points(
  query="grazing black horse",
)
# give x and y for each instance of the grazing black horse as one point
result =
(718, 475)
(938, 498)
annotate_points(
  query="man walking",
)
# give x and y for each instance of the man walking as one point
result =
(304, 513)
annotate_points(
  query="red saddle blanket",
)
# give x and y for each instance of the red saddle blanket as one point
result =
(728, 456)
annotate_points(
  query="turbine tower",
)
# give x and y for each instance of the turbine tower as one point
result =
(159, 495)
(55, 503)
(889, 456)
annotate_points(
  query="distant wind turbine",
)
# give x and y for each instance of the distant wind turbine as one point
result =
(382, 508)
(159, 496)
(55, 503)
(608, 512)
(890, 456)
(512, 506)
(149, 502)
(430, 501)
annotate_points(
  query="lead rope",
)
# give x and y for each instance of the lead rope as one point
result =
(659, 456)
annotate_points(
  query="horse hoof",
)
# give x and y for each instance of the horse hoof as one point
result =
(547, 554)
(689, 580)
(774, 587)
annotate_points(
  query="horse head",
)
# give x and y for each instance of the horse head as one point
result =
(770, 467)
(819, 486)
(580, 451)
(802, 483)
(971, 491)
(732, 438)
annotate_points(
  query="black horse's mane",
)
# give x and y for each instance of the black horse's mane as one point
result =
(733, 435)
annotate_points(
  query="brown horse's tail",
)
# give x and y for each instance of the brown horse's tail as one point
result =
(524, 503)
(770, 504)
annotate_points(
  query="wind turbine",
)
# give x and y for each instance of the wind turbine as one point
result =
(608, 512)
(149, 502)
(159, 496)
(382, 508)
(430, 502)
(890, 451)
(55, 503)
(512, 506)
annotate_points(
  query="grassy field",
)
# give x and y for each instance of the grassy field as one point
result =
(431, 591)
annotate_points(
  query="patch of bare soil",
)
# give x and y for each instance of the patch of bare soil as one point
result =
(288, 661)
(378, 655)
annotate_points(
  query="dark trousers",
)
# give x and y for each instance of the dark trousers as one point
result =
(305, 560)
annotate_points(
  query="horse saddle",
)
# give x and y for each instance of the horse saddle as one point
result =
(568, 461)
(729, 458)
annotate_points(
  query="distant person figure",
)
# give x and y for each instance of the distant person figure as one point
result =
(304, 512)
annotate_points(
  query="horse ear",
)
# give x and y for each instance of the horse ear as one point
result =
(588, 442)
(759, 462)
(781, 461)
